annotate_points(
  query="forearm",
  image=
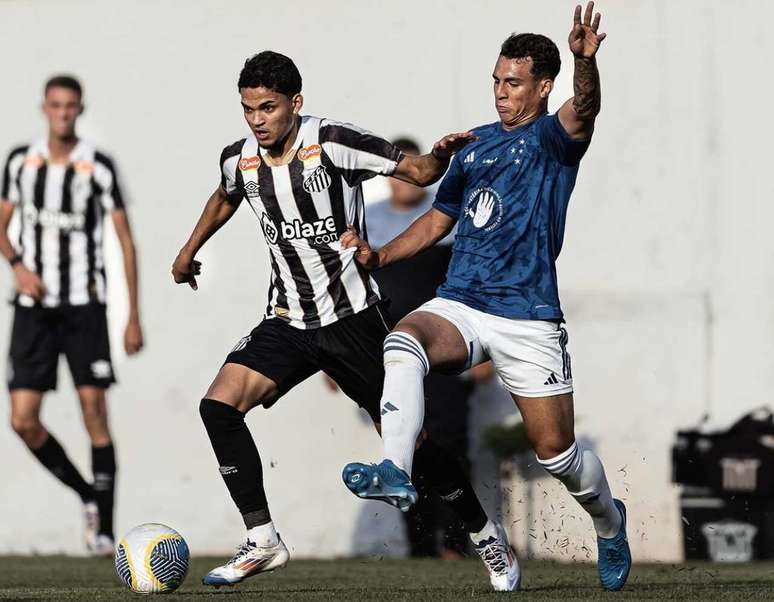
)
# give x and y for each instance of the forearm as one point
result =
(421, 235)
(6, 246)
(587, 101)
(428, 169)
(216, 212)
(130, 269)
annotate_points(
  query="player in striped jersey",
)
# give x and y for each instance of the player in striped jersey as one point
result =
(301, 177)
(63, 187)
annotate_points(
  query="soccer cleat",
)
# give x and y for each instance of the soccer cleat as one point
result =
(384, 481)
(500, 561)
(615, 558)
(248, 561)
(104, 546)
(91, 526)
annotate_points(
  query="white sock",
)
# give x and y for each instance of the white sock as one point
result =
(582, 473)
(403, 397)
(489, 530)
(264, 536)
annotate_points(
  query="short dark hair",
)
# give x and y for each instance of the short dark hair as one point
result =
(63, 81)
(271, 70)
(543, 52)
(407, 145)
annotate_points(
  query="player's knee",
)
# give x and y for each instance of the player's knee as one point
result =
(28, 428)
(400, 348)
(552, 446)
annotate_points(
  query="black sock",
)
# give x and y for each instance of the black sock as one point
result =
(103, 466)
(443, 474)
(53, 457)
(240, 464)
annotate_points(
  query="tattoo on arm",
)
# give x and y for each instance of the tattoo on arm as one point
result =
(588, 99)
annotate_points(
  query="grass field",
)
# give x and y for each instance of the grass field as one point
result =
(62, 578)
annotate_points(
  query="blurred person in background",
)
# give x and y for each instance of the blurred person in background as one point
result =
(407, 285)
(63, 187)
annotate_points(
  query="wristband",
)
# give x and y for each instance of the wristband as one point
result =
(14, 260)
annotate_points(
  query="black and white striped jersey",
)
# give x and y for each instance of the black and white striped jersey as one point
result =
(61, 208)
(303, 207)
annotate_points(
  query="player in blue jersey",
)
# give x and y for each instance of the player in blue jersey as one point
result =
(508, 194)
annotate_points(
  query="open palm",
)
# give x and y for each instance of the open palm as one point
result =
(584, 38)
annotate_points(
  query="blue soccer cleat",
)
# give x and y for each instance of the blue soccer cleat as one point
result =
(615, 558)
(384, 481)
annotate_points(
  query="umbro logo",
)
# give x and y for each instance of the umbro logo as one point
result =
(552, 380)
(101, 369)
(252, 189)
(470, 157)
(224, 470)
(388, 407)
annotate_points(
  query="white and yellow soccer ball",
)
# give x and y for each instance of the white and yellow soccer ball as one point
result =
(152, 559)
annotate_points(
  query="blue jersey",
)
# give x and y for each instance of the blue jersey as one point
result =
(509, 192)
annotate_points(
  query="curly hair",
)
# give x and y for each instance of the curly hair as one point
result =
(543, 52)
(272, 71)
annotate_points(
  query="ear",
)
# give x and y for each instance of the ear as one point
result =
(297, 101)
(81, 109)
(546, 86)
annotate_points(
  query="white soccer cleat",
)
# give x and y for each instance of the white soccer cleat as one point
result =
(248, 561)
(104, 546)
(91, 526)
(500, 561)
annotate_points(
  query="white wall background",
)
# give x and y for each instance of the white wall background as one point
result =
(666, 272)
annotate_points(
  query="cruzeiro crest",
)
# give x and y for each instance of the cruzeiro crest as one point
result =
(485, 208)
(318, 180)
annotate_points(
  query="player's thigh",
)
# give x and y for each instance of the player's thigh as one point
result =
(448, 332)
(351, 353)
(34, 350)
(264, 365)
(549, 422)
(83, 331)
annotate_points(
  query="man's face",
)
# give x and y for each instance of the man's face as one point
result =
(269, 114)
(518, 95)
(62, 106)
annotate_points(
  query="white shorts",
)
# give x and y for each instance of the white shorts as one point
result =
(529, 356)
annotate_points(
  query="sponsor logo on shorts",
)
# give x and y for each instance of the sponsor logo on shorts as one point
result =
(282, 312)
(101, 369)
(309, 152)
(242, 343)
(248, 163)
(224, 470)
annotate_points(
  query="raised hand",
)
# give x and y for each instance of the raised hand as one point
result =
(448, 145)
(365, 255)
(584, 39)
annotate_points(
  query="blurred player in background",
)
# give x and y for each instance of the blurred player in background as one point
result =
(508, 194)
(63, 187)
(302, 178)
(408, 284)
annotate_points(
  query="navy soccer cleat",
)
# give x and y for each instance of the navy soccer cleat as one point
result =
(615, 558)
(383, 481)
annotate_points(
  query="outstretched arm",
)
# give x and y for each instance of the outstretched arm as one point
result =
(217, 212)
(422, 234)
(423, 170)
(577, 115)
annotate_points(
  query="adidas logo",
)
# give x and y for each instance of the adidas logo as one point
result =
(552, 380)
(388, 407)
(470, 157)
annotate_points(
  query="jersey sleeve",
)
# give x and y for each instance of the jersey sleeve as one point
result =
(10, 184)
(448, 199)
(106, 177)
(558, 142)
(359, 154)
(229, 163)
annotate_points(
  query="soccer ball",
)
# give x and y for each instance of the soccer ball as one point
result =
(152, 559)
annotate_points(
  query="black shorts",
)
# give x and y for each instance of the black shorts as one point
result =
(40, 334)
(349, 351)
